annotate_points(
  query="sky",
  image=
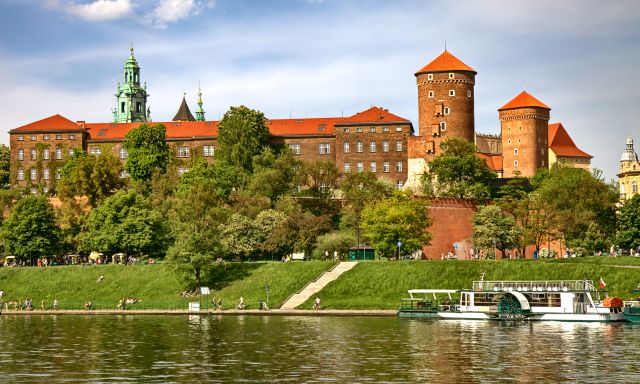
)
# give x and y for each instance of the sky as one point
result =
(320, 58)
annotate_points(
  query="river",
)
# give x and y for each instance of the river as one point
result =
(251, 349)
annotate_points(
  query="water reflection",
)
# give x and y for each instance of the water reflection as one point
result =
(172, 349)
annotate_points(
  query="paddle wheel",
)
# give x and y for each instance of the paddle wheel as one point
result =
(509, 308)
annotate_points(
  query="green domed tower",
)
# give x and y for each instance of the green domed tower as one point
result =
(131, 98)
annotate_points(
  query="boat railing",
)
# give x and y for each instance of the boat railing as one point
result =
(535, 286)
(632, 303)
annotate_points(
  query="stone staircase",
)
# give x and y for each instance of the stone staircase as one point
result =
(316, 286)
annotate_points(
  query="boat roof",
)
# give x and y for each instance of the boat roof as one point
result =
(433, 291)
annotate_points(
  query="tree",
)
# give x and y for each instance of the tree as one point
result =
(273, 175)
(359, 189)
(628, 236)
(270, 224)
(240, 236)
(196, 221)
(30, 231)
(147, 150)
(242, 134)
(337, 241)
(96, 177)
(458, 172)
(321, 179)
(5, 161)
(125, 222)
(493, 228)
(400, 218)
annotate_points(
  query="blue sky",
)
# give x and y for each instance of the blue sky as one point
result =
(312, 58)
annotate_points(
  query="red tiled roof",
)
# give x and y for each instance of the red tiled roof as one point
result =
(175, 129)
(524, 99)
(311, 126)
(375, 115)
(51, 123)
(561, 144)
(445, 62)
(494, 162)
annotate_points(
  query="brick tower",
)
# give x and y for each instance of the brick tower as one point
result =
(524, 123)
(445, 101)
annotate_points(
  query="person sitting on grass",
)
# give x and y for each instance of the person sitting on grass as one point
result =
(88, 306)
(316, 303)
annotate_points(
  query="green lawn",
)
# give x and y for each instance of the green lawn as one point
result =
(381, 285)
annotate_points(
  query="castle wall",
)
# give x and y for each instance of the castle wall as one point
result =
(452, 222)
(524, 140)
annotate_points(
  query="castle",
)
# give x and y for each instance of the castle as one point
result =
(373, 140)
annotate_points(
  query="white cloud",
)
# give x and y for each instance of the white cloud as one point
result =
(101, 10)
(170, 11)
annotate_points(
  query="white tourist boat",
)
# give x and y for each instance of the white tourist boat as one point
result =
(559, 300)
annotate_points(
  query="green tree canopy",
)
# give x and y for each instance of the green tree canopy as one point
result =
(125, 222)
(273, 174)
(147, 150)
(458, 172)
(5, 161)
(400, 218)
(30, 231)
(242, 134)
(493, 228)
(96, 177)
(628, 236)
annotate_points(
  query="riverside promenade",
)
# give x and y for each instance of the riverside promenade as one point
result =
(227, 312)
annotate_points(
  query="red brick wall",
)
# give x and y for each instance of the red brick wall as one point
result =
(451, 223)
(524, 129)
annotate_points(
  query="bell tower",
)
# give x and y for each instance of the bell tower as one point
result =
(131, 98)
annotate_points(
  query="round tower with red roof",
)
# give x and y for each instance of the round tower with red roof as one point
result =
(524, 122)
(445, 100)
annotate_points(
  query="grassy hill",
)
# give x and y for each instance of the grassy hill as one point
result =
(370, 285)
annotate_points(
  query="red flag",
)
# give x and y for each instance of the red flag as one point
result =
(602, 283)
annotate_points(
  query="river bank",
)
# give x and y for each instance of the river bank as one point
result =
(229, 312)
(375, 285)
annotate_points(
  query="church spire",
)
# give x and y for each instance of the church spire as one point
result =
(199, 111)
(184, 114)
(131, 98)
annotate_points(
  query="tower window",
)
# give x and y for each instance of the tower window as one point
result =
(451, 75)
(515, 163)
(509, 141)
(452, 92)
(138, 107)
(122, 107)
(443, 126)
(446, 110)
(429, 76)
(468, 93)
(431, 94)
(515, 151)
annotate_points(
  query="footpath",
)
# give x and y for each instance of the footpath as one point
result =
(227, 312)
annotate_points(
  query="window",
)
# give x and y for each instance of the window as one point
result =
(399, 166)
(72, 137)
(122, 107)
(359, 147)
(359, 130)
(468, 93)
(20, 154)
(398, 129)
(446, 110)
(34, 137)
(347, 167)
(34, 154)
(182, 170)
(345, 147)
(542, 151)
(452, 92)
(138, 107)
(385, 166)
(373, 166)
(58, 175)
(295, 149)
(385, 129)
(184, 151)
(45, 174)
(346, 130)
(33, 191)
(515, 163)
(46, 154)
(45, 189)
(20, 138)
(59, 136)
(443, 126)
(431, 94)
(399, 184)
(70, 151)
(385, 146)
(372, 130)
(429, 76)
(372, 146)
(518, 141)
(543, 163)
(124, 174)
(398, 145)
(33, 174)
(515, 151)
(45, 137)
(209, 150)
(509, 141)
(360, 166)
(123, 153)
(20, 174)
(95, 151)
(451, 76)
(325, 148)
